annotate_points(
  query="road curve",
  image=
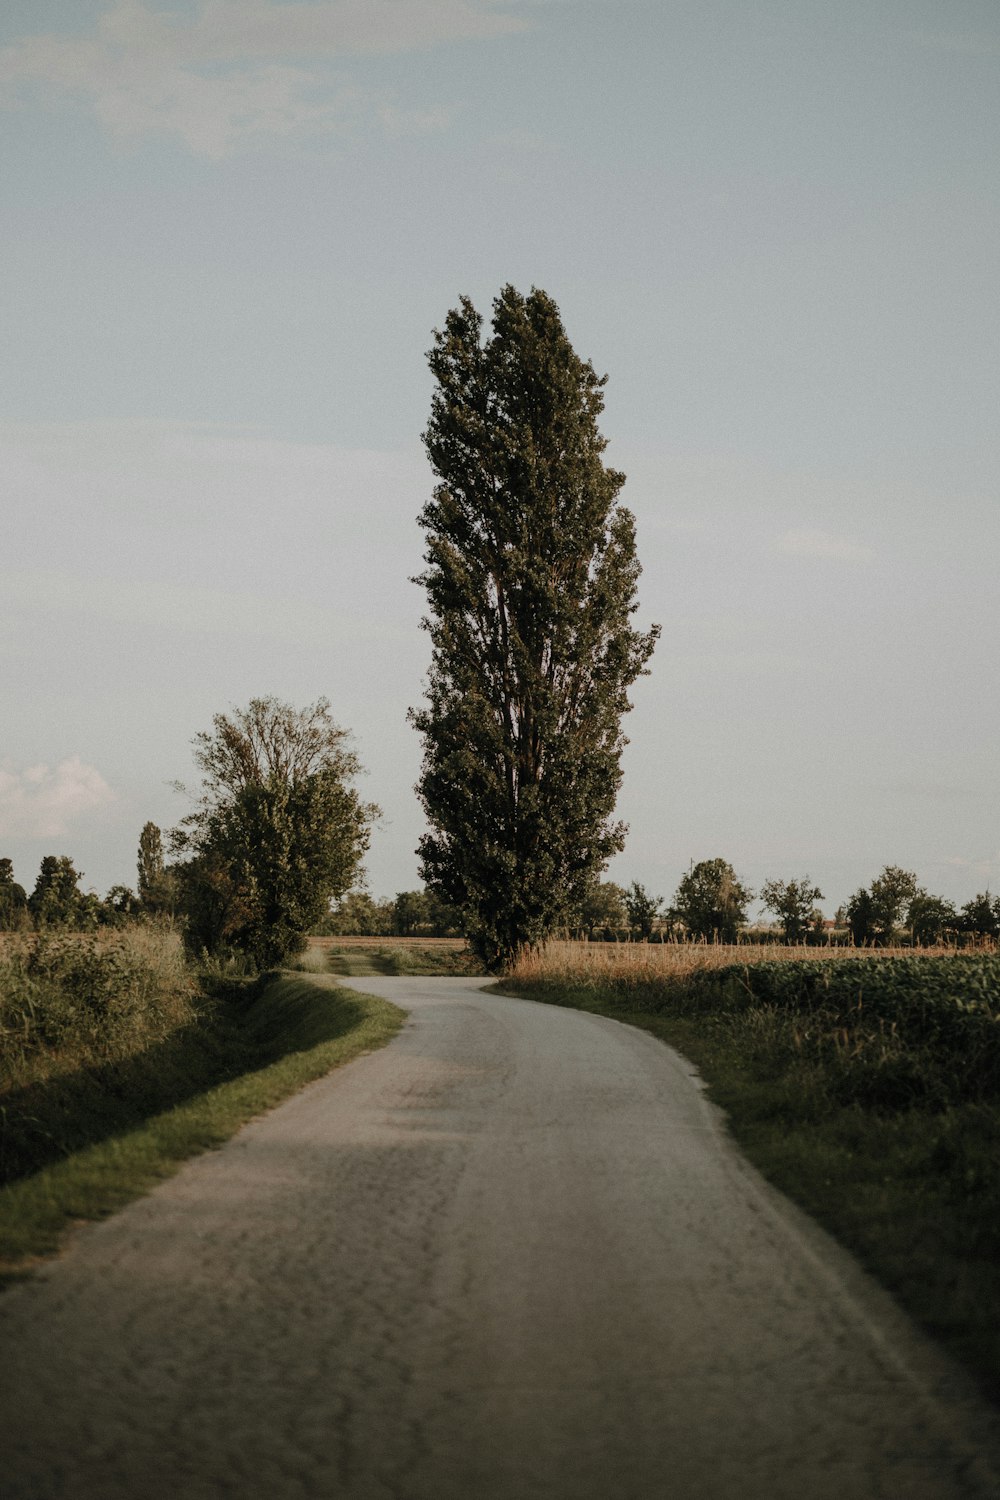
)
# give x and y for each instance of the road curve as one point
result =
(509, 1257)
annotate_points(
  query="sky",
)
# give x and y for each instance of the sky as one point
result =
(230, 228)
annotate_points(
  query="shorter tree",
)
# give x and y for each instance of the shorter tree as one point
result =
(980, 917)
(357, 914)
(643, 910)
(711, 902)
(120, 905)
(930, 918)
(57, 900)
(792, 903)
(13, 900)
(603, 906)
(277, 832)
(891, 894)
(409, 911)
(860, 915)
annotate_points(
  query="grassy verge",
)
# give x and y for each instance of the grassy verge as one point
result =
(388, 956)
(267, 1040)
(869, 1092)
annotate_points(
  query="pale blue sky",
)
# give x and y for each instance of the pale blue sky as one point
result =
(229, 228)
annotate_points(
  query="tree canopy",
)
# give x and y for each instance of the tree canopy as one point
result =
(792, 902)
(13, 899)
(643, 908)
(277, 831)
(57, 900)
(531, 586)
(711, 902)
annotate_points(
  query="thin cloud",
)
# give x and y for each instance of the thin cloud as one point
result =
(243, 69)
(812, 542)
(42, 802)
(189, 609)
(971, 44)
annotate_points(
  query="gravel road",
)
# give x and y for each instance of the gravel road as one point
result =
(509, 1256)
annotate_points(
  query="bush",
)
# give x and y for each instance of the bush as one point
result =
(888, 1033)
(68, 1001)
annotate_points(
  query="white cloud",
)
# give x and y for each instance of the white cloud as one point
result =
(240, 69)
(42, 803)
(808, 541)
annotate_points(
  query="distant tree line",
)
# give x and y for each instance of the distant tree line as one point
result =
(58, 902)
(407, 914)
(711, 905)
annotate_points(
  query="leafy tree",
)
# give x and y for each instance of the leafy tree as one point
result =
(531, 580)
(13, 900)
(642, 908)
(119, 906)
(277, 831)
(409, 911)
(860, 913)
(930, 917)
(357, 914)
(603, 906)
(891, 894)
(443, 920)
(711, 902)
(981, 916)
(57, 900)
(150, 862)
(792, 903)
(158, 884)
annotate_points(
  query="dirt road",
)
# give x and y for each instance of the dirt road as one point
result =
(510, 1256)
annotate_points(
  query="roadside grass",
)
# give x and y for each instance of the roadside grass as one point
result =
(868, 1090)
(393, 956)
(257, 1044)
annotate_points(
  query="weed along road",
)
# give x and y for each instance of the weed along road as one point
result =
(509, 1256)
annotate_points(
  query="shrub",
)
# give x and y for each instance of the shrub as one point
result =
(68, 1000)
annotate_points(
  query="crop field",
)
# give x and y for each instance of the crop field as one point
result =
(629, 964)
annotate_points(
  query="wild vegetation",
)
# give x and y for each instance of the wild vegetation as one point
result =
(866, 1085)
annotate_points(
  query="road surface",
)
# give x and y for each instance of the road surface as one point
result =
(509, 1257)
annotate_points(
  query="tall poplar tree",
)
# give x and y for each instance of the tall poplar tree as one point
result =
(150, 865)
(531, 583)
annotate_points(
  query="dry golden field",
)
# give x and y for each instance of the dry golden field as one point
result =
(564, 962)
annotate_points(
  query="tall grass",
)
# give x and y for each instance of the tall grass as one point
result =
(97, 1032)
(71, 1001)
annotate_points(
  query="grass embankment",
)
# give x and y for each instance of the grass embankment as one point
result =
(116, 1065)
(865, 1087)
